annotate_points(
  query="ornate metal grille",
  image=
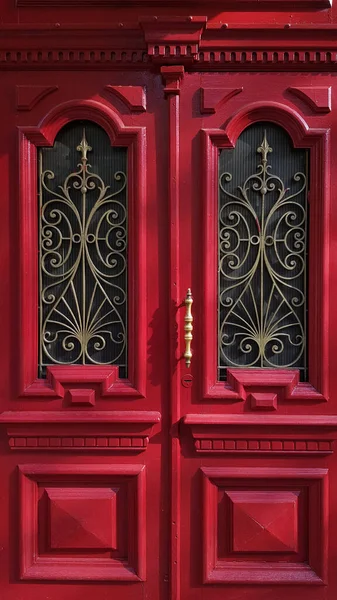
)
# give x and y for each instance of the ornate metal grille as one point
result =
(262, 275)
(83, 250)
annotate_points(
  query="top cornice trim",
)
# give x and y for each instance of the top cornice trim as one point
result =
(237, 5)
(192, 41)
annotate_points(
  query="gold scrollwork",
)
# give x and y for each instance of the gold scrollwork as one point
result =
(262, 269)
(83, 240)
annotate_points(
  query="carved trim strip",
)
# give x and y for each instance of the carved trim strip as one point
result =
(268, 57)
(272, 434)
(237, 60)
(263, 446)
(78, 443)
(316, 422)
(65, 57)
(224, 4)
(190, 41)
(122, 431)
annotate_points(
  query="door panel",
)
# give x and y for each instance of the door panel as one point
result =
(256, 443)
(83, 443)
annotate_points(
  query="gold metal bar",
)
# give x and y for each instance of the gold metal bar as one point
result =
(188, 328)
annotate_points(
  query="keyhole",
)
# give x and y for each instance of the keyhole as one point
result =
(187, 380)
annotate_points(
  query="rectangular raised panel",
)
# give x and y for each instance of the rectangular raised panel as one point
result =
(264, 521)
(82, 522)
(74, 522)
(263, 401)
(265, 525)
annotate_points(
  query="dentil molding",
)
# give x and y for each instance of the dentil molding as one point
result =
(190, 41)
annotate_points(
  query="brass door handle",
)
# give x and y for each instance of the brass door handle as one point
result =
(188, 328)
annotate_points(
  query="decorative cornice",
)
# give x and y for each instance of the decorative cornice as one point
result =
(173, 37)
(189, 41)
(252, 5)
(250, 434)
(123, 431)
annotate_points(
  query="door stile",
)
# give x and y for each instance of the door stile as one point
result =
(172, 77)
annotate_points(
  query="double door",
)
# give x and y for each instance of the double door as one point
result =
(167, 423)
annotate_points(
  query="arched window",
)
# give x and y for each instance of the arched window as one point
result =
(83, 250)
(263, 267)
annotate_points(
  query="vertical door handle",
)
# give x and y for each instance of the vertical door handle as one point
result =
(188, 328)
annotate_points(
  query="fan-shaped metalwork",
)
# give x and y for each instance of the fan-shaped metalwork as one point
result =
(262, 267)
(83, 242)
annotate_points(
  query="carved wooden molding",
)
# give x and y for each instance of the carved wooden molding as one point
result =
(213, 98)
(318, 98)
(133, 96)
(107, 498)
(30, 139)
(75, 431)
(285, 383)
(274, 434)
(172, 77)
(259, 384)
(256, 492)
(190, 41)
(27, 96)
(253, 5)
(173, 37)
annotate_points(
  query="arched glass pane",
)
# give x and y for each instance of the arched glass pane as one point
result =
(83, 250)
(262, 274)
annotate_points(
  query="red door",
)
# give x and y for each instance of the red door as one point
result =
(167, 236)
(257, 434)
(87, 385)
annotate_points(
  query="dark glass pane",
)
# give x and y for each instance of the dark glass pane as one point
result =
(83, 250)
(262, 275)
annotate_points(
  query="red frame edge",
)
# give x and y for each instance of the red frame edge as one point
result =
(317, 141)
(30, 139)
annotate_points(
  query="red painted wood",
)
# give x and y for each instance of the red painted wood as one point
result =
(272, 488)
(170, 485)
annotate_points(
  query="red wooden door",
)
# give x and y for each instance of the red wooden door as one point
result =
(158, 443)
(256, 440)
(86, 492)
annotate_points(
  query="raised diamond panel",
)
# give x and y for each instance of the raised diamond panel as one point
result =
(264, 525)
(73, 518)
(264, 521)
(82, 522)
